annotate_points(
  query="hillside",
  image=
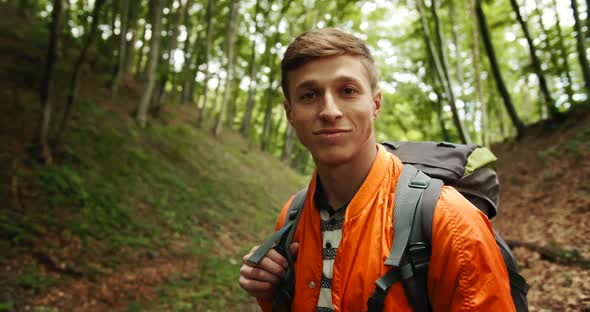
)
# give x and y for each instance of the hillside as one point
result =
(127, 219)
(154, 219)
(545, 201)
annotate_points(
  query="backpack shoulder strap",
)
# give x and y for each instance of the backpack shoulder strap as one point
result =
(419, 248)
(408, 196)
(289, 226)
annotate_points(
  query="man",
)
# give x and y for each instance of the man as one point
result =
(345, 232)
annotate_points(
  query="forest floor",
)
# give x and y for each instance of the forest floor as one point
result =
(545, 202)
(157, 219)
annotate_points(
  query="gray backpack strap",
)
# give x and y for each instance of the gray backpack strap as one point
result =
(408, 196)
(419, 248)
(289, 226)
(280, 241)
(285, 289)
(410, 186)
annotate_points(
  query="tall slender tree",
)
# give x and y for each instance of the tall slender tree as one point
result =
(565, 81)
(564, 55)
(142, 109)
(46, 107)
(477, 74)
(245, 129)
(549, 102)
(581, 45)
(463, 134)
(73, 88)
(172, 44)
(122, 46)
(230, 40)
(438, 55)
(209, 33)
(487, 41)
(266, 131)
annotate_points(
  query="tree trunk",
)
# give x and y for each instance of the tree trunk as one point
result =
(231, 112)
(187, 56)
(195, 61)
(73, 89)
(288, 144)
(172, 43)
(483, 27)
(455, 31)
(122, 46)
(141, 113)
(209, 18)
(564, 56)
(581, 45)
(130, 45)
(265, 139)
(439, 59)
(549, 102)
(230, 41)
(463, 134)
(477, 74)
(549, 47)
(140, 53)
(46, 107)
(245, 130)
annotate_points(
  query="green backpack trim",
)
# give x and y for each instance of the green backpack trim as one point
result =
(479, 158)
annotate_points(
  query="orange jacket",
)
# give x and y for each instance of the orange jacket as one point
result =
(466, 270)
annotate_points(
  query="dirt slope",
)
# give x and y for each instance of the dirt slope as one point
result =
(545, 200)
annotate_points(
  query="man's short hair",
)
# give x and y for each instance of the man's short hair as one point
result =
(318, 43)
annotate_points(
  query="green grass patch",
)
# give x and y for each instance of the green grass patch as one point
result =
(214, 288)
(32, 279)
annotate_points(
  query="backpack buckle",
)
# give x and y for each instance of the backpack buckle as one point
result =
(419, 255)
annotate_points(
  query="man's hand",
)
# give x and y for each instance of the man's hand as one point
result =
(259, 280)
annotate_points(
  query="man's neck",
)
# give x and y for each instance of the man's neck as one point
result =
(340, 183)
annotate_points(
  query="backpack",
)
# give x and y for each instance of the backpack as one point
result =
(427, 166)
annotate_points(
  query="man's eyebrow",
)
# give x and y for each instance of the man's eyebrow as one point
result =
(347, 79)
(306, 84)
(313, 83)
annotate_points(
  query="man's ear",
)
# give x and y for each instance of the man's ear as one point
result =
(377, 104)
(288, 111)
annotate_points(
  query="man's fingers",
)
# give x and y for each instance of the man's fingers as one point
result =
(254, 286)
(277, 258)
(294, 248)
(254, 273)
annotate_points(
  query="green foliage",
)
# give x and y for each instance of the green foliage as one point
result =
(6, 305)
(63, 186)
(33, 280)
(208, 290)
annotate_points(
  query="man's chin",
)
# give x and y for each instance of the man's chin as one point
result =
(332, 158)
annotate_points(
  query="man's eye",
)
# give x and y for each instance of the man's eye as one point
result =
(308, 96)
(349, 91)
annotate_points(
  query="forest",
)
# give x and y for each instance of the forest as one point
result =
(145, 146)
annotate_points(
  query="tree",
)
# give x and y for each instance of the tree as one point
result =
(549, 103)
(230, 44)
(485, 36)
(477, 74)
(141, 112)
(73, 88)
(581, 45)
(440, 60)
(564, 55)
(266, 131)
(209, 33)
(122, 46)
(46, 107)
(172, 43)
(245, 129)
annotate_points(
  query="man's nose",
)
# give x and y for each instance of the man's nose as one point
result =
(330, 110)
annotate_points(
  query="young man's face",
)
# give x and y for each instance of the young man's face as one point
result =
(332, 108)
